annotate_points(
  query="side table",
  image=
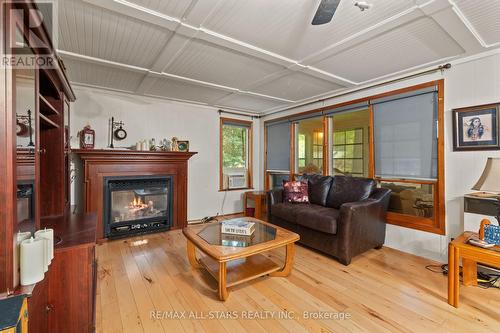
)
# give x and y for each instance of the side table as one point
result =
(471, 255)
(259, 197)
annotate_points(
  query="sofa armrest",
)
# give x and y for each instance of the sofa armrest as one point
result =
(361, 225)
(275, 196)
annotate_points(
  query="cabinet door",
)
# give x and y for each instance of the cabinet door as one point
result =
(39, 308)
(71, 291)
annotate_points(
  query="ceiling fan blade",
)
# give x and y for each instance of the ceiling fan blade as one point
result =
(325, 12)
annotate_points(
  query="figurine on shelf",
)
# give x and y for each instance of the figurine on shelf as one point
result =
(174, 144)
(165, 145)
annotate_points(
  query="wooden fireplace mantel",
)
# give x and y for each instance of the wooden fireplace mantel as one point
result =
(101, 163)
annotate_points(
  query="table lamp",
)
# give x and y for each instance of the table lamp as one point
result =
(489, 182)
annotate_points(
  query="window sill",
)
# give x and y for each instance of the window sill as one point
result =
(415, 222)
(236, 189)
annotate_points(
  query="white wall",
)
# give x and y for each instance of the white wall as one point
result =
(469, 82)
(147, 118)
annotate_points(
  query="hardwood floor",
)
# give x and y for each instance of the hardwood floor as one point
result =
(381, 291)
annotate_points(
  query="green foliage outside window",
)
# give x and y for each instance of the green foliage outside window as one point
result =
(234, 146)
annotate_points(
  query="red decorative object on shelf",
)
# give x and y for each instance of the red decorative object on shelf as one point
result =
(87, 138)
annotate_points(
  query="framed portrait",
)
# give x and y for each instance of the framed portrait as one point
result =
(476, 128)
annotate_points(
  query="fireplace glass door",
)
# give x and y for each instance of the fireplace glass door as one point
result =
(137, 205)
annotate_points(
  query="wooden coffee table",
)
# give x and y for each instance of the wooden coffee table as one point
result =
(234, 259)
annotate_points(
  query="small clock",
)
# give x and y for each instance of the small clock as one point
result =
(87, 138)
(21, 129)
(120, 134)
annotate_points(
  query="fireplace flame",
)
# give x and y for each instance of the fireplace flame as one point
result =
(136, 203)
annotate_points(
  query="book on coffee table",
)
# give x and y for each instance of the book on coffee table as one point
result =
(238, 226)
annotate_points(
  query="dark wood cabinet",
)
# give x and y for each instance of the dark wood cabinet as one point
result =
(71, 281)
(39, 308)
(64, 300)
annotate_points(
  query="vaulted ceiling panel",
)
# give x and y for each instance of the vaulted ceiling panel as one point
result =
(296, 86)
(175, 89)
(416, 43)
(172, 8)
(102, 76)
(284, 27)
(248, 102)
(204, 61)
(484, 16)
(263, 55)
(92, 31)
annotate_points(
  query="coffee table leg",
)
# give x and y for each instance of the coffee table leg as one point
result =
(191, 253)
(287, 268)
(222, 282)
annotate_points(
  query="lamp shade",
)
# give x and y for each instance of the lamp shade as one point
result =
(490, 179)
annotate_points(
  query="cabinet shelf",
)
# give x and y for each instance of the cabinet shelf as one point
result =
(46, 123)
(46, 108)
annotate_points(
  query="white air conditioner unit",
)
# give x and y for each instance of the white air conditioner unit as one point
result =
(236, 180)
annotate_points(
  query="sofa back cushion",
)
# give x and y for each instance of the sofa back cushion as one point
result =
(318, 186)
(295, 191)
(349, 189)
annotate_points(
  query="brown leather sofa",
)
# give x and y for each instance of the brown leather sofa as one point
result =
(345, 215)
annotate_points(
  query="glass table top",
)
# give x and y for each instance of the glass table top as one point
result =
(212, 234)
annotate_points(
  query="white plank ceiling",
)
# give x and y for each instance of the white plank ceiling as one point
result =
(260, 56)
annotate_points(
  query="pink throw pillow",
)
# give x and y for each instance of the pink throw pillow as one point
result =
(295, 191)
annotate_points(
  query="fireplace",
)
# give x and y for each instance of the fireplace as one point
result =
(25, 201)
(137, 204)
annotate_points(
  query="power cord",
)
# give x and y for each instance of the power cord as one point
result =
(484, 280)
(207, 219)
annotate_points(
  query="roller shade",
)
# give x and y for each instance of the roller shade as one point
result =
(350, 107)
(412, 93)
(405, 136)
(278, 146)
(230, 122)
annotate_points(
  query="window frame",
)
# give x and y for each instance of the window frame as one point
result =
(345, 144)
(435, 225)
(246, 123)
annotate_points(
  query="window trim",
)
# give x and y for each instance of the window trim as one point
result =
(438, 224)
(249, 123)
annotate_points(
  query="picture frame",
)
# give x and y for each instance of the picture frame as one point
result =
(476, 128)
(182, 146)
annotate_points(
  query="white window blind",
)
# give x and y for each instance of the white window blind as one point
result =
(405, 136)
(278, 146)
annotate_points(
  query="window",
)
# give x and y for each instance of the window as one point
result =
(406, 157)
(395, 137)
(347, 152)
(349, 142)
(309, 158)
(236, 154)
(301, 150)
(318, 147)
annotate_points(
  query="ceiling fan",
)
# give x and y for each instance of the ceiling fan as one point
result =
(327, 8)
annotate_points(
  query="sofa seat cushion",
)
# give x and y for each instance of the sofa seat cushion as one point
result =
(349, 189)
(286, 210)
(318, 218)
